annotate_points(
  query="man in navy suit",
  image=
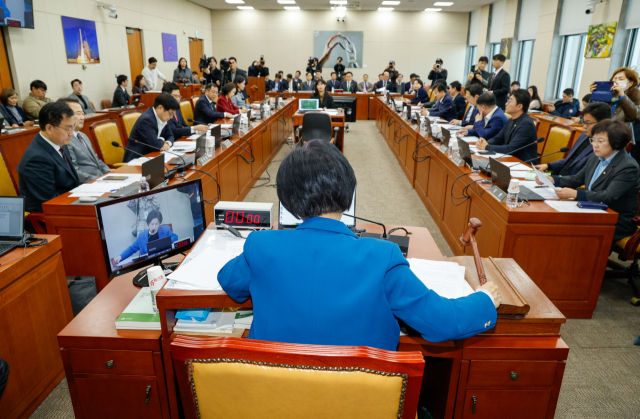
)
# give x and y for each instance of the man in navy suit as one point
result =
(445, 108)
(581, 150)
(490, 118)
(519, 131)
(322, 284)
(151, 132)
(268, 84)
(385, 83)
(278, 85)
(205, 110)
(46, 169)
(458, 100)
(120, 95)
(408, 86)
(177, 124)
(348, 85)
(500, 83)
(333, 83)
(568, 107)
(472, 93)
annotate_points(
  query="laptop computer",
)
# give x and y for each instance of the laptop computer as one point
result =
(11, 222)
(135, 100)
(201, 144)
(153, 170)
(226, 134)
(286, 221)
(308, 105)
(159, 246)
(501, 176)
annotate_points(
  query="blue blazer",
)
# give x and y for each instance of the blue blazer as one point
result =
(515, 134)
(338, 289)
(206, 112)
(492, 128)
(9, 118)
(44, 174)
(445, 109)
(420, 96)
(179, 127)
(145, 131)
(580, 160)
(461, 105)
(143, 238)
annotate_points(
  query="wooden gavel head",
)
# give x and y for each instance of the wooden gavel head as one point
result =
(472, 228)
(254, 88)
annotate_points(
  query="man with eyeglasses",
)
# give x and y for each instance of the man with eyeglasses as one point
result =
(581, 150)
(151, 132)
(83, 158)
(46, 170)
(177, 124)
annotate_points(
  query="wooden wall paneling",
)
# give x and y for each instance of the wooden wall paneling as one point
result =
(229, 177)
(195, 53)
(421, 183)
(265, 131)
(456, 214)
(362, 107)
(436, 190)
(276, 131)
(97, 397)
(373, 108)
(490, 235)
(5, 69)
(410, 163)
(136, 60)
(244, 170)
(256, 146)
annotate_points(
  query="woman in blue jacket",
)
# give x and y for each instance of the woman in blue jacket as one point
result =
(321, 284)
(155, 232)
(12, 113)
(421, 93)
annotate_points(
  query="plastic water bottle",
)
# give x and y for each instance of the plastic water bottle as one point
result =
(453, 149)
(434, 128)
(209, 145)
(144, 184)
(512, 193)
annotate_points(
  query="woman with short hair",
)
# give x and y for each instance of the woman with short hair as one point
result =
(139, 85)
(225, 104)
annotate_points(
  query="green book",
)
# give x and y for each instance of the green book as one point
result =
(139, 314)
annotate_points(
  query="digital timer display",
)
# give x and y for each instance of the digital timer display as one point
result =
(181, 243)
(243, 218)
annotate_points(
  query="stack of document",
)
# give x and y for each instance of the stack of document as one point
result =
(218, 321)
(569, 206)
(331, 111)
(183, 147)
(100, 186)
(445, 278)
(138, 161)
(139, 314)
(469, 140)
(544, 191)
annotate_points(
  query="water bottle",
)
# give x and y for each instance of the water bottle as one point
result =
(144, 184)
(434, 128)
(453, 149)
(209, 145)
(512, 193)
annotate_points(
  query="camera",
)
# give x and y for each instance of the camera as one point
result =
(204, 62)
(224, 64)
(310, 62)
(438, 66)
(590, 9)
(262, 60)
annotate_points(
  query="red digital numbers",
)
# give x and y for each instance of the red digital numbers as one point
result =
(256, 219)
(228, 217)
(249, 219)
(241, 218)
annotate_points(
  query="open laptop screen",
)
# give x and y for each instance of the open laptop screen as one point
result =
(287, 220)
(308, 104)
(11, 217)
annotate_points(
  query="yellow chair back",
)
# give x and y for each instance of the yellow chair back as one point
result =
(129, 120)
(559, 136)
(432, 95)
(187, 111)
(194, 100)
(105, 134)
(6, 184)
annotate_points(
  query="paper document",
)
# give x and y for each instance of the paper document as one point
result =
(235, 247)
(471, 140)
(544, 179)
(570, 206)
(194, 136)
(546, 192)
(183, 147)
(519, 174)
(445, 278)
(330, 111)
(138, 161)
(494, 155)
(518, 167)
(451, 127)
(202, 271)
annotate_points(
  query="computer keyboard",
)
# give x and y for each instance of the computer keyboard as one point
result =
(5, 247)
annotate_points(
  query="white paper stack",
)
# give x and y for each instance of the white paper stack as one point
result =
(569, 206)
(519, 167)
(445, 278)
(100, 187)
(470, 140)
(201, 272)
(545, 192)
(138, 161)
(183, 147)
(218, 321)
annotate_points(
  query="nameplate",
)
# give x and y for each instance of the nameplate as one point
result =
(225, 144)
(497, 193)
(458, 161)
(444, 148)
(203, 160)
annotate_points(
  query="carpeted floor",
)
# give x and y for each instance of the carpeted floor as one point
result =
(602, 378)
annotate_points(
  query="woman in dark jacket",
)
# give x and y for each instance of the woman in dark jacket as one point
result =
(320, 93)
(182, 74)
(139, 86)
(421, 93)
(13, 114)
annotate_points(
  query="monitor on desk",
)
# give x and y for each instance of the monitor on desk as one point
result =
(143, 229)
(500, 174)
(286, 220)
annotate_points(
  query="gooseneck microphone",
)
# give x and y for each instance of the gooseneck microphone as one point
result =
(384, 229)
(179, 168)
(168, 173)
(484, 168)
(562, 150)
(118, 145)
(538, 141)
(197, 122)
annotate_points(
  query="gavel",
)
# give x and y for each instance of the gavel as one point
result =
(469, 239)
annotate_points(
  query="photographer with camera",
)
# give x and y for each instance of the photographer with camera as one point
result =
(212, 75)
(438, 73)
(258, 68)
(391, 67)
(478, 75)
(339, 69)
(312, 64)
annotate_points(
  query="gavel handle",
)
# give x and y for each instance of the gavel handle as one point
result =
(476, 257)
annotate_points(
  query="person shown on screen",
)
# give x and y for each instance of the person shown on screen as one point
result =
(155, 232)
(142, 207)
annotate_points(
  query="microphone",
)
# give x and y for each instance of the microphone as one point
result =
(562, 150)
(384, 229)
(484, 168)
(179, 168)
(116, 144)
(401, 241)
(197, 122)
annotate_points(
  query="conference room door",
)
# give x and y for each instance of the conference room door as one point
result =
(136, 63)
(5, 71)
(195, 53)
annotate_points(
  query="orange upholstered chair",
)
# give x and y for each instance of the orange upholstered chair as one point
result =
(127, 121)
(559, 136)
(104, 133)
(187, 111)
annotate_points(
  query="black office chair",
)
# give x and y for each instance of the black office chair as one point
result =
(316, 126)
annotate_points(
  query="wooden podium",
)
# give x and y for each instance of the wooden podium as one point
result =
(255, 89)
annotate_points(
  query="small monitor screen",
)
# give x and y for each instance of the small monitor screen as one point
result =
(11, 217)
(308, 104)
(287, 220)
(16, 13)
(140, 229)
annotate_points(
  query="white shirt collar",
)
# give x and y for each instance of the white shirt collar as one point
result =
(161, 124)
(497, 71)
(56, 147)
(490, 114)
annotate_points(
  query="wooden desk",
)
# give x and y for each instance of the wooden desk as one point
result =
(34, 307)
(336, 121)
(479, 366)
(363, 101)
(77, 224)
(255, 88)
(564, 253)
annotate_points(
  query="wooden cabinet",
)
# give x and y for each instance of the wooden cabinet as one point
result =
(491, 404)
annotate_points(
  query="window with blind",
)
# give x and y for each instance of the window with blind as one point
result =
(524, 64)
(571, 64)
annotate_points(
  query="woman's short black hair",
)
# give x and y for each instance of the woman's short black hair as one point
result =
(618, 133)
(154, 214)
(227, 88)
(315, 88)
(315, 179)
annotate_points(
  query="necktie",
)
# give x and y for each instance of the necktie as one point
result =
(365, 86)
(82, 141)
(64, 156)
(175, 115)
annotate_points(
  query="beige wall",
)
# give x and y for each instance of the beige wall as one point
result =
(509, 28)
(413, 40)
(40, 53)
(542, 48)
(596, 69)
(483, 30)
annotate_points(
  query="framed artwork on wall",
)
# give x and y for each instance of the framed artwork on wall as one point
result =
(600, 40)
(329, 45)
(80, 41)
(170, 47)
(505, 47)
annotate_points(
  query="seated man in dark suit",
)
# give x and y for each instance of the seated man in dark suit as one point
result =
(384, 83)
(348, 85)
(268, 84)
(458, 100)
(472, 94)
(151, 132)
(333, 83)
(445, 108)
(120, 96)
(205, 110)
(309, 85)
(517, 131)
(581, 150)
(177, 124)
(278, 85)
(610, 176)
(46, 170)
(489, 120)
(297, 81)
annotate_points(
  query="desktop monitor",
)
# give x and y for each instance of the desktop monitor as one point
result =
(287, 221)
(427, 123)
(16, 13)
(143, 229)
(500, 174)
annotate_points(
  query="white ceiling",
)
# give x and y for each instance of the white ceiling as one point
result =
(368, 5)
